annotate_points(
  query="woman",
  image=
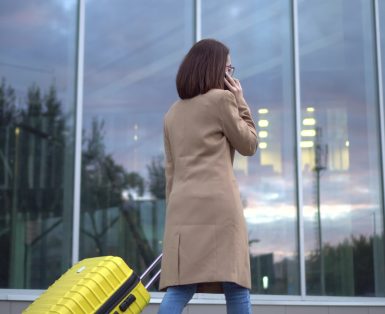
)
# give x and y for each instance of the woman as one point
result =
(205, 247)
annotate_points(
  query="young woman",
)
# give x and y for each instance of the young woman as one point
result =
(205, 247)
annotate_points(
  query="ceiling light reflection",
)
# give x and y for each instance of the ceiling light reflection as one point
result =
(263, 123)
(307, 144)
(262, 145)
(309, 121)
(308, 133)
(263, 134)
(263, 111)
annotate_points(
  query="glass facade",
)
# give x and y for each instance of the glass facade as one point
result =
(37, 115)
(340, 139)
(130, 69)
(132, 52)
(381, 30)
(258, 35)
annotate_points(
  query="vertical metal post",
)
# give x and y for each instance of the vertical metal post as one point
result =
(379, 285)
(198, 20)
(78, 130)
(298, 155)
(320, 165)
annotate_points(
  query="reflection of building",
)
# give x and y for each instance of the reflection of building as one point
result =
(262, 268)
(241, 164)
(270, 145)
(334, 122)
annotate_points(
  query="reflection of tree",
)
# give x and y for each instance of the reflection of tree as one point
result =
(33, 141)
(8, 111)
(103, 179)
(349, 268)
(36, 176)
(7, 117)
(321, 155)
(157, 180)
(106, 185)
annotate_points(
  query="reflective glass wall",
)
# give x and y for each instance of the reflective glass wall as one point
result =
(259, 36)
(37, 104)
(132, 52)
(381, 15)
(342, 189)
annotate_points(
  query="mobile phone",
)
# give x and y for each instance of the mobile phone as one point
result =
(224, 83)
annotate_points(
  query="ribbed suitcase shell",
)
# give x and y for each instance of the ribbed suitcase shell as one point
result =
(92, 286)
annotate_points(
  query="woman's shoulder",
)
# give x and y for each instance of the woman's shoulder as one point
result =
(219, 93)
(221, 96)
(214, 93)
(213, 96)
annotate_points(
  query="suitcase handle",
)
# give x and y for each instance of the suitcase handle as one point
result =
(153, 279)
(150, 268)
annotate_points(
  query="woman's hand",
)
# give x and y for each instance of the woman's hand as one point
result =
(235, 87)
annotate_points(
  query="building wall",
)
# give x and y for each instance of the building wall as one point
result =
(16, 307)
(84, 89)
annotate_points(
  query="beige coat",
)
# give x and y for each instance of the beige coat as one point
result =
(205, 239)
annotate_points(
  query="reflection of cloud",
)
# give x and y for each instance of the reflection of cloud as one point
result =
(333, 75)
(67, 5)
(268, 214)
(278, 234)
(132, 52)
(38, 44)
(138, 75)
(133, 81)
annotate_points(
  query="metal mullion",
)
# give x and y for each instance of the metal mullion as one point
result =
(197, 20)
(297, 96)
(78, 130)
(380, 101)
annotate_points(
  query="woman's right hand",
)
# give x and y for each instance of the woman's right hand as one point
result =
(234, 86)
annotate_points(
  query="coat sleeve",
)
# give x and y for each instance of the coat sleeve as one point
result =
(169, 165)
(238, 125)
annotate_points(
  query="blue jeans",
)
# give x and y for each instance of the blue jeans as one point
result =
(176, 298)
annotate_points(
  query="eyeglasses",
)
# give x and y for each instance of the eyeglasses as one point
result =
(230, 70)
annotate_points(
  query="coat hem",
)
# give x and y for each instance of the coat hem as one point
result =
(164, 287)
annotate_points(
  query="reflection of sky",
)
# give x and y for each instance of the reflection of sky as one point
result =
(38, 45)
(137, 76)
(257, 35)
(133, 50)
(339, 73)
(132, 83)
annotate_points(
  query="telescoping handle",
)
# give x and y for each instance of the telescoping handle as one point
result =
(149, 269)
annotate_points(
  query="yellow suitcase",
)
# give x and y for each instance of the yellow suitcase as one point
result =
(100, 285)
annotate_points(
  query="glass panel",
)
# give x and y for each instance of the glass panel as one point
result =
(381, 12)
(132, 52)
(260, 42)
(340, 149)
(37, 110)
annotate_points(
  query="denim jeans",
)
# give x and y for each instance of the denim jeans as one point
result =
(176, 298)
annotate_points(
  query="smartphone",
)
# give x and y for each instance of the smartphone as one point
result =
(225, 86)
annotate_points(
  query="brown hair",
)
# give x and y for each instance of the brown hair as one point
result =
(202, 69)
